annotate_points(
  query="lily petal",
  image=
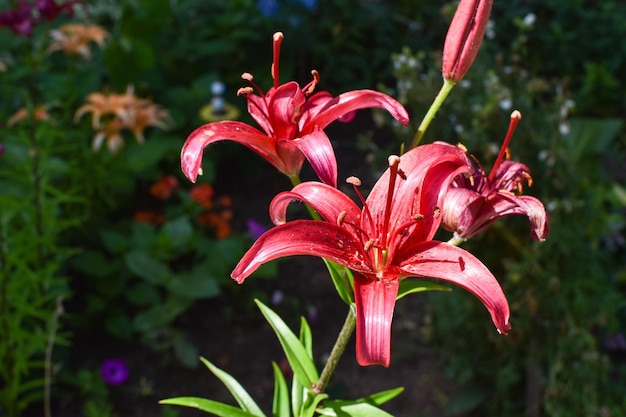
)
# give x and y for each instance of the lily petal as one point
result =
(191, 153)
(349, 102)
(327, 201)
(529, 206)
(428, 170)
(375, 301)
(303, 237)
(318, 150)
(457, 266)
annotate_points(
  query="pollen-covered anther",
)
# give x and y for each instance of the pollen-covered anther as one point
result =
(436, 212)
(417, 217)
(247, 76)
(244, 91)
(461, 147)
(340, 218)
(354, 181)
(368, 245)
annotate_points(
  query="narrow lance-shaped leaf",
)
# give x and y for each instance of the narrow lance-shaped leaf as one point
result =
(280, 404)
(299, 360)
(210, 406)
(242, 397)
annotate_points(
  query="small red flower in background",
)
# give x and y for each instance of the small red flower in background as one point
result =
(475, 200)
(163, 188)
(218, 216)
(389, 239)
(146, 216)
(292, 120)
(202, 194)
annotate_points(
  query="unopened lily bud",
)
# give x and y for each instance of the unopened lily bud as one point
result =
(464, 37)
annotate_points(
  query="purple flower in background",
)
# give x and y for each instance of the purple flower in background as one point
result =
(255, 228)
(114, 371)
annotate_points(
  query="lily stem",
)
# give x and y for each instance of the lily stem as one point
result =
(432, 111)
(340, 345)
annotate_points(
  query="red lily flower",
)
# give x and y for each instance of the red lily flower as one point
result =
(291, 120)
(475, 201)
(388, 240)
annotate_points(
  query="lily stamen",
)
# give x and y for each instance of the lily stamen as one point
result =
(516, 116)
(394, 161)
(355, 182)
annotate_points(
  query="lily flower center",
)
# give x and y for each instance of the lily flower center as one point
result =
(378, 234)
(516, 116)
(264, 107)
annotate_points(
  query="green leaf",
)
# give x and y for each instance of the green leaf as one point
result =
(410, 286)
(342, 408)
(185, 351)
(306, 337)
(157, 316)
(280, 404)
(383, 396)
(465, 400)
(195, 284)
(367, 405)
(177, 233)
(299, 360)
(343, 279)
(147, 267)
(591, 135)
(213, 407)
(143, 294)
(113, 241)
(238, 392)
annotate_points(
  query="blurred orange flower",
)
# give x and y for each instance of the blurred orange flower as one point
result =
(145, 216)
(164, 187)
(40, 115)
(74, 39)
(202, 194)
(122, 111)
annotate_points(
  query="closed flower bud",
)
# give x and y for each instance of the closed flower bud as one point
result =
(464, 37)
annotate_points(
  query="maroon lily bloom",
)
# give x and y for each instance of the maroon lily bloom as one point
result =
(19, 20)
(464, 37)
(388, 240)
(26, 16)
(291, 120)
(475, 201)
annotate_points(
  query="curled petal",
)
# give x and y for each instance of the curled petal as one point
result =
(318, 150)
(531, 207)
(348, 102)
(191, 153)
(375, 301)
(457, 266)
(327, 201)
(303, 237)
(461, 206)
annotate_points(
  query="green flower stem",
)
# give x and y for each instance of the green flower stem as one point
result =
(456, 240)
(432, 111)
(340, 345)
